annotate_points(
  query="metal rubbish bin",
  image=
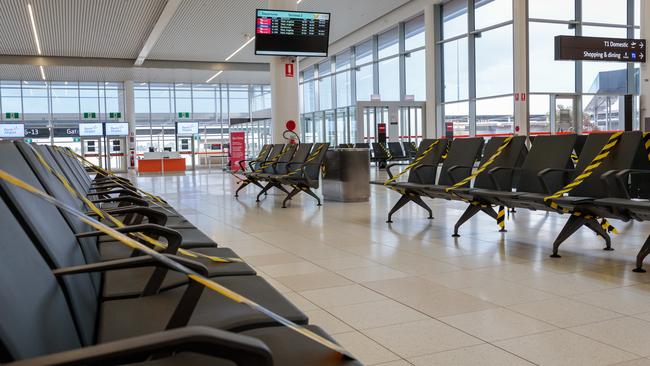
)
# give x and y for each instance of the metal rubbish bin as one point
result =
(347, 175)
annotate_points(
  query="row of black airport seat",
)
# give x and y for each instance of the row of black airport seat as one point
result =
(608, 181)
(72, 295)
(391, 151)
(295, 165)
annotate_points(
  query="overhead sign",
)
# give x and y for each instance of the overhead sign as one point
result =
(37, 132)
(91, 129)
(12, 130)
(117, 129)
(69, 131)
(187, 128)
(600, 49)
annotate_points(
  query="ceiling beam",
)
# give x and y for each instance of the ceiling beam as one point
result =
(164, 19)
(129, 63)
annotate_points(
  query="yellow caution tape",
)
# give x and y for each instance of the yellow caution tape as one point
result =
(415, 162)
(208, 283)
(309, 159)
(501, 218)
(118, 223)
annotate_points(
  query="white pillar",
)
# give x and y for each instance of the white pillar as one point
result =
(285, 96)
(129, 116)
(644, 88)
(520, 49)
(430, 38)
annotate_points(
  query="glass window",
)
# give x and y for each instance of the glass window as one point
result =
(309, 73)
(494, 70)
(602, 112)
(604, 11)
(552, 9)
(364, 82)
(344, 89)
(415, 69)
(539, 109)
(494, 116)
(414, 33)
(388, 43)
(325, 92)
(389, 79)
(343, 60)
(10, 101)
(363, 53)
(544, 70)
(309, 96)
(458, 115)
(491, 12)
(456, 70)
(454, 18)
(637, 12)
(203, 102)
(238, 101)
(65, 101)
(35, 102)
(324, 68)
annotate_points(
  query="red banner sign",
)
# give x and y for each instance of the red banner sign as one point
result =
(237, 149)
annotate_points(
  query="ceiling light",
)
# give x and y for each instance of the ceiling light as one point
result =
(299, 1)
(31, 18)
(240, 48)
(26, 82)
(42, 72)
(214, 76)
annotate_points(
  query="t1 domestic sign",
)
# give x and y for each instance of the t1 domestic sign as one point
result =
(600, 49)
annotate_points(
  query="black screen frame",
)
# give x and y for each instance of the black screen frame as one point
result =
(290, 53)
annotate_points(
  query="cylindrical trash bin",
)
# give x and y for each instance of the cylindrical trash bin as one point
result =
(347, 177)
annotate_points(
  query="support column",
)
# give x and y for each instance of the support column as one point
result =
(285, 96)
(129, 116)
(430, 38)
(520, 50)
(644, 88)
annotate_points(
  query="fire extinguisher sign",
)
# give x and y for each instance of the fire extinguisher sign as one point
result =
(289, 70)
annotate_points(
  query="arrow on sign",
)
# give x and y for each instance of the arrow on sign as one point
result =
(641, 56)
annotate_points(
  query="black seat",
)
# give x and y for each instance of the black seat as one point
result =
(396, 152)
(267, 157)
(282, 167)
(410, 150)
(380, 154)
(305, 176)
(422, 171)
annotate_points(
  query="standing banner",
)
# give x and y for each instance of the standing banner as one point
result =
(237, 149)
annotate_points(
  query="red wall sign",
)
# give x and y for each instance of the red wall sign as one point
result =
(288, 70)
(237, 149)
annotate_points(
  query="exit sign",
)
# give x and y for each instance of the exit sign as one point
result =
(115, 115)
(183, 115)
(12, 115)
(90, 115)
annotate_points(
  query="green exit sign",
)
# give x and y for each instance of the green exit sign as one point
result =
(29, 141)
(90, 115)
(76, 139)
(115, 115)
(12, 115)
(183, 114)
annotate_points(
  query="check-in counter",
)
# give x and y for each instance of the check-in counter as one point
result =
(161, 162)
(347, 175)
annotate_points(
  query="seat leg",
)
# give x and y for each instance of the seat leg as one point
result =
(468, 214)
(401, 203)
(420, 202)
(264, 190)
(572, 225)
(281, 187)
(242, 186)
(490, 212)
(311, 193)
(291, 194)
(645, 250)
(258, 184)
(595, 226)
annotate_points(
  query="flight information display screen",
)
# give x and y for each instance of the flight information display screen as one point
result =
(291, 33)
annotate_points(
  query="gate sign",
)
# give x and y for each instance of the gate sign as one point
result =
(37, 132)
(12, 130)
(237, 149)
(600, 49)
(66, 132)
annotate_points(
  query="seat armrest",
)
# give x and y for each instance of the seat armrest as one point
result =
(239, 349)
(389, 166)
(130, 263)
(622, 175)
(126, 192)
(492, 174)
(154, 217)
(174, 238)
(543, 173)
(123, 199)
(451, 170)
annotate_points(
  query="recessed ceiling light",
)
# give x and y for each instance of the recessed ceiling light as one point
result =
(42, 72)
(214, 76)
(31, 18)
(240, 48)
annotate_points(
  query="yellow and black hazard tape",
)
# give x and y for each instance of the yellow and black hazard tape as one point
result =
(646, 143)
(501, 218)
(506, 142)
(597, 161)
(446, 153)
(414, 164)
(386, 151)
(118, 223)
(313, 156)
(171, 264)
(574, 158)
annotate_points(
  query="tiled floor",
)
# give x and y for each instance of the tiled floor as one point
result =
(410, 294)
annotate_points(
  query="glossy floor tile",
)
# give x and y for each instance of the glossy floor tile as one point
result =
(407, 293)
